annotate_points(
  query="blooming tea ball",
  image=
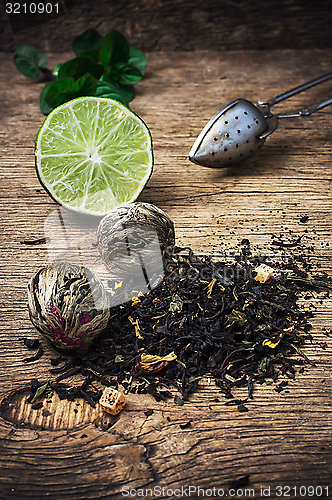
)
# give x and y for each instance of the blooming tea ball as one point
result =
(68, 304)
(134, 236)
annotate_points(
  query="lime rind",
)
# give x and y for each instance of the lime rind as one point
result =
(93, 154)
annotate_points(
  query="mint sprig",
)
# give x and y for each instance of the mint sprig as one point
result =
(104, 66)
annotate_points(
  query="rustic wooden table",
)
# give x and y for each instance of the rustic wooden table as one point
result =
(285, 439)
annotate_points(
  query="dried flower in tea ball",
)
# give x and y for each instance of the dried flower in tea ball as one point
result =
(68, 304)
(133, 236)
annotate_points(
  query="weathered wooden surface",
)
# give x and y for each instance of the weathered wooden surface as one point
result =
(184, 25)
(284, 439)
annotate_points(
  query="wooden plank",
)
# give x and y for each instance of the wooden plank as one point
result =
(284, 439)
(166, 25)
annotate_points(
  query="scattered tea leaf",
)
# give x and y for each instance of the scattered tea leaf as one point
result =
(240, 482)
(185, 425)
(37, 356)
(37, 406)
(31, 343)
(176, 304)
(178, 400)
(241, 408)
(45, 389)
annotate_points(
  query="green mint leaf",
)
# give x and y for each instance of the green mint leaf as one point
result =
(128, 74)
(85, 86)
(94, 54)
(59, 91)
(89, 40)
(110, 76)
(114, 49)
(79, 66)
(28, 61)
(65, 89)
(105, 89)
(137, 59)
(44, 107)
(127, 90)
(56, 70)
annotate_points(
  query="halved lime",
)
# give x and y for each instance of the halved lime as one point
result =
(93, 154)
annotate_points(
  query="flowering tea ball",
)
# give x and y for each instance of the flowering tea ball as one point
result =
(68, 304)
(134, 236)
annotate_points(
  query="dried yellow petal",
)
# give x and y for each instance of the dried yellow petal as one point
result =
(210, 286)
(270, 343)
(153, 363)
(135, 323)
(274, 342)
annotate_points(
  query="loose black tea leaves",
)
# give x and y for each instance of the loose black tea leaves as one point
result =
(31, 343)
(240, 482)
(40, 390)
(39, 241)
(220, 320)
(37, 356)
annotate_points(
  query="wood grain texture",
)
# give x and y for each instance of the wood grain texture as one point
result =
(285, 439)
(182, 25)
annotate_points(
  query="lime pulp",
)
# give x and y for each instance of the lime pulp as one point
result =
(93, 154)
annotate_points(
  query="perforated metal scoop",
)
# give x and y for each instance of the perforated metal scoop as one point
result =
(239, 130)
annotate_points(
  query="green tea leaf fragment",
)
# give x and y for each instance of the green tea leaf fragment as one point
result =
(46, 390)
(89, 40)
(265, 363)
(237, 317)
(114, 49)
(119, 359)
(176, 304)
(29, 61)
(179, 401)
(79, 66)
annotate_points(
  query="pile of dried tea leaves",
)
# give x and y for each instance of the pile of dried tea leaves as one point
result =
(206, 318)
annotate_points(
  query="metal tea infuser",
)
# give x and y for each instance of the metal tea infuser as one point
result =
(239, 130)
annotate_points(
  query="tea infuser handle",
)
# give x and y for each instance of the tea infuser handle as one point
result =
(295, 90)
(272, 124)
(307, 111)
